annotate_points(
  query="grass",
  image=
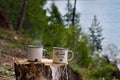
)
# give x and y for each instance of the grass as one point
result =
(7, 73)
(1, 36)
(5, 52)
(17, 44)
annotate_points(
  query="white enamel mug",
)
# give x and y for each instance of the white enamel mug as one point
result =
(35, 53)
(60, 55)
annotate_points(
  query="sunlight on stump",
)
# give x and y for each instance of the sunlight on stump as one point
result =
(45, 70)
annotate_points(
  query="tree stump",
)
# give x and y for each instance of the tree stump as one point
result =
(44, 70)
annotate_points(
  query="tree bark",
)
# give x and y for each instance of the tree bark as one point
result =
(25, 70)
(22, 15)
(74, 12)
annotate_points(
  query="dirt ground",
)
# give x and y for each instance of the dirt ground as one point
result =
(7, 66)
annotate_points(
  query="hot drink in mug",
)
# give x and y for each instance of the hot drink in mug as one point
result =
(60, 55)
(35, 53)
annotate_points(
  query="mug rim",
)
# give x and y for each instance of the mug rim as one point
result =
(35, 46)
(59, 48)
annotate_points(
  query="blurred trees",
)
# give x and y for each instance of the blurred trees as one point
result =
(12, 8)
(36, 20)
(112, 52)
(58, 30)
(22, 15)
(95, 36)
(54, 32)
(71, 17)
(100, 69)
(75, 38)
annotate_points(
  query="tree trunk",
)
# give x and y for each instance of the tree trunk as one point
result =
(74, 12)
(22, 15)
(45, 70)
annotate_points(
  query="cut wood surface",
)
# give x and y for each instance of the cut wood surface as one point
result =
(44, 70)
(47, 62)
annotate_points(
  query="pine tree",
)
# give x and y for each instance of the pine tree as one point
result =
(36, 19)
(22, 15)
(75, 39)
(55, 15)
(54, 30)
(68, 17)
(95, 36)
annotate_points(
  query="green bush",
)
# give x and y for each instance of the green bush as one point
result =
(100, 68)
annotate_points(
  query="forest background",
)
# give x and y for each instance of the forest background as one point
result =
(29, 19)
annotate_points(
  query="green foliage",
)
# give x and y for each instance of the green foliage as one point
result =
(1, 36)
(75, 67)
(99, 69)
(12, 8)
(17, 44)
(4, 52)
(8, 73)
(54, 31)
(36, 20)
(55, 28)
(77, 41)
(55, 18)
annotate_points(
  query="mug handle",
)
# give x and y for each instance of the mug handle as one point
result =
(71, 56)
(45, 52)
